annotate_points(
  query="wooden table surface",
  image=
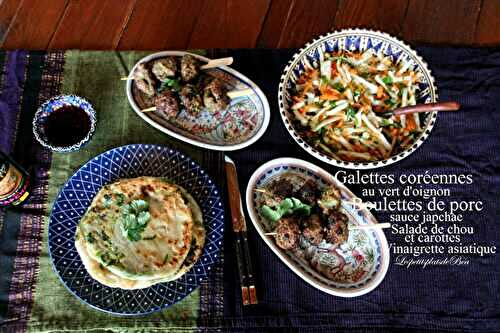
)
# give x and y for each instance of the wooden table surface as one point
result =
(184, 24)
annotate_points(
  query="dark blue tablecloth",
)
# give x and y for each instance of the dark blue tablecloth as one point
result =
(448, 298)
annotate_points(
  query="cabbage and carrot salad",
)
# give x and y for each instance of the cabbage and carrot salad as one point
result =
(339, 106)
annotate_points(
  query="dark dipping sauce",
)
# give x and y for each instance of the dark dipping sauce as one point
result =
(67, 126)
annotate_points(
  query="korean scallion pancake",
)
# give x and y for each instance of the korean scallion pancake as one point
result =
(100, 273)
(138, 229)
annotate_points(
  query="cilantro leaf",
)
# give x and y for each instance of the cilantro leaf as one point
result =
(135, 218)
(174, 84)
(139, 205)
(143, 218)
(286, 207)
(387, 80)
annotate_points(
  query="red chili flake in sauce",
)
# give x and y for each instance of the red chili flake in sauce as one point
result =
(67, 126)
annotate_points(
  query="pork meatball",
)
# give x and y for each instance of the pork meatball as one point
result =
(287, 233)
(166, 104)
(282, 188)
(329, 200)
(191, 99)
(143, 80)
(313, 230)
(308, 193)
(215, 96)
(190, 68)
(164, 68)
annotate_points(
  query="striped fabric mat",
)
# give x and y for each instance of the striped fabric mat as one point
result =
(32, 299)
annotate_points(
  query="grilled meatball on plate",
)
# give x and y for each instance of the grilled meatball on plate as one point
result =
(164, 68)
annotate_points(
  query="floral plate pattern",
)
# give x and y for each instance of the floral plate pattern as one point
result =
(77, 194)
(355, 40)
(360, 264)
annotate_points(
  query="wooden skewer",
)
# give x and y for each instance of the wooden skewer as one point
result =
(211, 64)
(351, 227)
(370, 226)
(430, 107)
(218, 62)
(239, 93)
(153, 108)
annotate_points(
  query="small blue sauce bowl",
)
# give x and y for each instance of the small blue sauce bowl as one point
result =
(64, 123)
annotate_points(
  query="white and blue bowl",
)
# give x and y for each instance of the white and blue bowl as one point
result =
(53, 104)
(355, 40)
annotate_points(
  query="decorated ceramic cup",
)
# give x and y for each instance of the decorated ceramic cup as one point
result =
(64, 123)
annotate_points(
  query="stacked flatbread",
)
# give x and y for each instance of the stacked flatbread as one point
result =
(139, 232)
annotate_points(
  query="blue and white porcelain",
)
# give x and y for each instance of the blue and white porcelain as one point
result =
(241, 124)
(77, 194)
(355, 40)
(364, 257)
(53, 104)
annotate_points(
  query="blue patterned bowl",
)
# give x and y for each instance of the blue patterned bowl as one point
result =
(53, 104)
(355, 40)
(77, 194)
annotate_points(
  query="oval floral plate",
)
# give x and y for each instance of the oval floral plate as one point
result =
(365, 255)
(356, 40)
(76, 196)
(236, 127)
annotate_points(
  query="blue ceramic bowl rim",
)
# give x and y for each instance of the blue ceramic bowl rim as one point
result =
(70, 99)
(346, 33)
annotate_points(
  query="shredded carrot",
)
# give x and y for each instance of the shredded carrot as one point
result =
(329, 94)
(334, 68)
(410, 124)
(380, 92)
(308, 86)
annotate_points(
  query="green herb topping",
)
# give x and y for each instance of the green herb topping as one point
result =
(286, 207)
(170, 83)
(89, 238)
(135, 217)
(387, 80)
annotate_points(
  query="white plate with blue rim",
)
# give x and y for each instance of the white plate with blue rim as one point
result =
(358, 266)
(355, 40)
(75, 197)
(241, 124)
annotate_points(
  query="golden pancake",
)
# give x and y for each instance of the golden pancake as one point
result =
(138, 229)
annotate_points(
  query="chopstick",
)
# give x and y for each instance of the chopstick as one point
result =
(245, 269)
